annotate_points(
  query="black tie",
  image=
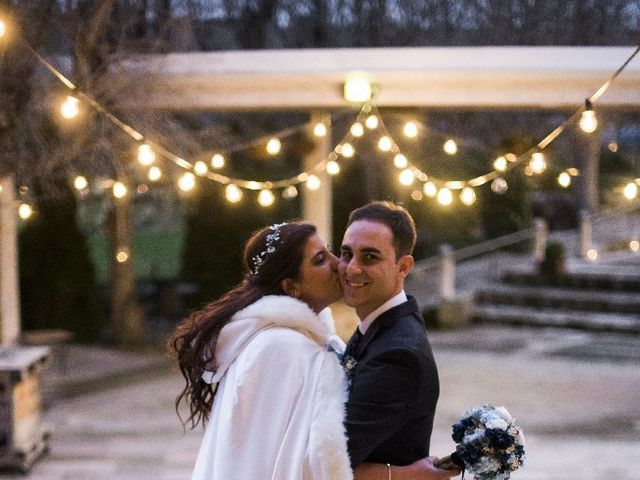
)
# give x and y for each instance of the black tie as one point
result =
(353, 343)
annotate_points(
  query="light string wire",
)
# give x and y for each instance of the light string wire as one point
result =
(303, 176)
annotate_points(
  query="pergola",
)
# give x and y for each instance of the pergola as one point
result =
(458, 77)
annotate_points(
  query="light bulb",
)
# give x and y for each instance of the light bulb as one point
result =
(564, 180)
(154, 174)
(588, 120)
(634, 245)
(538, 163)
(347, 150)
(357, 130)
(25, 211)
(122, 256)
(187, 182)
(592, 254)
(357, 89)
(3, 28)
(468, 196)
(500, 164)
(416, 195)
(233, 193)
(430, 190)
(384, 143)
(119, 190)
(320, 129)
(313, 182)
(371, 122)
(290, 193)
(146, 155)
(499, 186)
(333, 167)
(70, 108)
(406, 177)
(410, 129)
(200, 168)
(217, 161)
(400, 161)
(445, 197)
(266, 198)
(80, 182)
(630, 191)
(450, 147)
(273, 146)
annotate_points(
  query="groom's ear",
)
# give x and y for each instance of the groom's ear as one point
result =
(405, 263)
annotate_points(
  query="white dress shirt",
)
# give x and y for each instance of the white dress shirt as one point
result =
(388, 305)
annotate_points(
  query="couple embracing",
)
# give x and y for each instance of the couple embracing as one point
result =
(281, 397)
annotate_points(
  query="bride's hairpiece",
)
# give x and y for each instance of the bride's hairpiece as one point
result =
(270, 241)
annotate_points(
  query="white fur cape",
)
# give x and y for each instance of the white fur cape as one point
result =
(279, 407)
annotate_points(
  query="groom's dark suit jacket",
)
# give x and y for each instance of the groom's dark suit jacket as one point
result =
(394, 389)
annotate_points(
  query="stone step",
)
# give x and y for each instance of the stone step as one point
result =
(620, 279)
(561, 298)
(544, 317)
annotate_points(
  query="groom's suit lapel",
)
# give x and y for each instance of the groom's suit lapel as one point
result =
(382, 322)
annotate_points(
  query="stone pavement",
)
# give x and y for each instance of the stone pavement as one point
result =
(576, 395)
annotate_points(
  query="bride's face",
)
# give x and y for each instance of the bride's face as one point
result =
(319, 284)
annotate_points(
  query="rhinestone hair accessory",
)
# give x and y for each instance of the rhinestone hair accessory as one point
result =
(271, 239)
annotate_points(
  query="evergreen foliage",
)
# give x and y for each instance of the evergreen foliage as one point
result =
(57, 279)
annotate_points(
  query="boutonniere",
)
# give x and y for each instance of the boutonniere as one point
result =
(349, 364)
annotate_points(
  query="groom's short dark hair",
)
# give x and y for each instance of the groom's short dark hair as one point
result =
(394, 216)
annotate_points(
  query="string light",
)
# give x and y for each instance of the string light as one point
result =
(70, 108)
(146, 155)
(634, 245)
(3, 28)
(406, 177)
(468, 196)
(384, 143)
(500, 164)
(613, 147)
(142, 189)
(410, 130)
(217, 161)
(588, 120)
(357, 130)
(80, 182)
(320, 129)
(371, 122)
(357, 89)
(119, 190)
(266, 198)
(154, 174)
(200, 168)
(187, 182)
(445, 197)
(564, 180)
(400, 161)
(450, 147)
(122, 256)
(538, 163)
(574, 172)
(592, 254)
(630, 191)
(416, 195)
(233, 193)
(347, 150)
(25, 211)
(333, 168)
(313, 182)
(430, 189)
(273, 146)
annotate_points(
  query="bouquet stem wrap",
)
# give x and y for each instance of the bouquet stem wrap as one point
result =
(450, 462)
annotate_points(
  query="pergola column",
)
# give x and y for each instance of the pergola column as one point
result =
(317, 204)
(9, 297)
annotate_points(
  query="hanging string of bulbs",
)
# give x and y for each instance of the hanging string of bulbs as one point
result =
(368, 119)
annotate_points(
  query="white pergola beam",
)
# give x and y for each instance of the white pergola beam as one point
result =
(456, 77)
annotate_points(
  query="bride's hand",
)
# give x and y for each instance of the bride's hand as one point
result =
(424, 469)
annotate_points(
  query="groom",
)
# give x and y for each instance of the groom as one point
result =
(394, 383)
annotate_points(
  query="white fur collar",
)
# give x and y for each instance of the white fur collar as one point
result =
(268, 311)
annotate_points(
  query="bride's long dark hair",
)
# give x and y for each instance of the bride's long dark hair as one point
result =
(194, 340)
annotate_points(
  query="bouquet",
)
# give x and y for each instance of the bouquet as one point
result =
(488, 444)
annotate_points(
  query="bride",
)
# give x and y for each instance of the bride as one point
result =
(261, 369)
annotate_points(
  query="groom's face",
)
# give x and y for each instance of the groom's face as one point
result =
(369, 271)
